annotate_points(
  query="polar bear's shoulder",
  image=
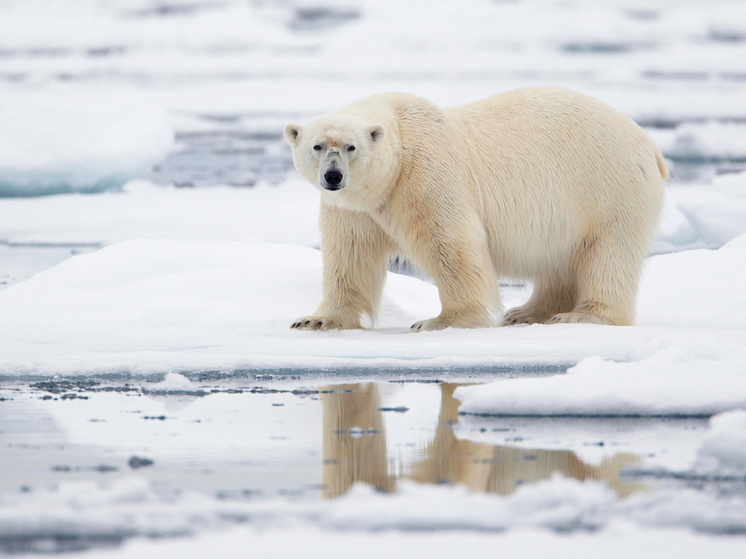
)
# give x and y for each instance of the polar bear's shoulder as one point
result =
(392, 104)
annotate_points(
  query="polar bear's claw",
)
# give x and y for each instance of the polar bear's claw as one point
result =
(431, 324)
(321, 324)
(575, 318)
(523, 315)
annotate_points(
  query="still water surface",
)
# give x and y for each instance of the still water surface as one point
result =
(252, 441)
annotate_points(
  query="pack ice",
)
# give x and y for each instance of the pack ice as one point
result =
(48, 147)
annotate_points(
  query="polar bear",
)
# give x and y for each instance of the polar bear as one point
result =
(541, 184)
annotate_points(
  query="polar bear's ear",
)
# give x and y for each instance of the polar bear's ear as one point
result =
(376, 132)
(292, 131)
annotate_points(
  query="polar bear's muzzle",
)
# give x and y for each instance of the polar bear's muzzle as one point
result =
(333, 180)
(331, 173)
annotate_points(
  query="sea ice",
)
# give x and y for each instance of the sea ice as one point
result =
(132, 507)
(174, 382)
(287, 213)
(158, 306)
(703, 216)
(724, 448)
(671, 382)
(48, 147)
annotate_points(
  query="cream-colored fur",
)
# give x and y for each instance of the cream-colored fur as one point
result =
(542, 184)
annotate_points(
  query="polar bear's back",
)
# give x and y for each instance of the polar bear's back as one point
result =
(560, 134)
(556, 165)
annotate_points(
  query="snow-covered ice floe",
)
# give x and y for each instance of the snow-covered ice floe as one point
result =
(689, 376)
(287, 213)
(48, 147)
(154, 306)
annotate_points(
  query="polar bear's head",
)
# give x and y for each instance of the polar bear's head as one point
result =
(342, 155)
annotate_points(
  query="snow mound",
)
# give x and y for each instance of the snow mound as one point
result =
(703, 216)
(677, 374)
(724, 448)
(698, 288)
(174, 382)
(50, 148)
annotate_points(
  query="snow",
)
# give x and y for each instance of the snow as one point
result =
(619, 541)
(724, 448)
(697, 216)
(287, 213)
(695, 288)
(174, 382)
(668, 383)
(158, 306)
(133, 507)
(66, 147)
(712, 140)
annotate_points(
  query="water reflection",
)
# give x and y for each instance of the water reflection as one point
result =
(354, 449)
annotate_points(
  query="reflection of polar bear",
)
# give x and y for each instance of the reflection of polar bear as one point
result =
(540, 183)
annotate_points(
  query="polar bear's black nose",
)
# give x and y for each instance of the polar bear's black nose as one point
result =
(333, 178)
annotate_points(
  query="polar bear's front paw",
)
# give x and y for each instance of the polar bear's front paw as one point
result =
(522, 315)
(575, 318)
(436, 323)
(316, 323)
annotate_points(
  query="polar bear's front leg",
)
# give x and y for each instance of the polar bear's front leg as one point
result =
(459, 262)
(355, 252)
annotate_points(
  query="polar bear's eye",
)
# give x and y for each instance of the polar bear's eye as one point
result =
(317, 147)
(351, 148)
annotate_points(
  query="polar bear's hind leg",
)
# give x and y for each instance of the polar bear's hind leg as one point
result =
(607, 271)
(551, 296)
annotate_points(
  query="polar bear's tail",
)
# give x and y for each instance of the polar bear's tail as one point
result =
(661, 165)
